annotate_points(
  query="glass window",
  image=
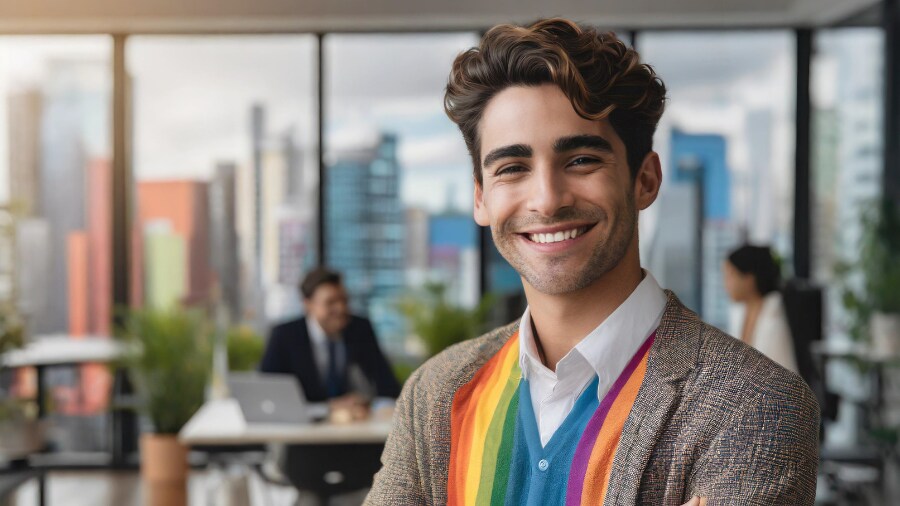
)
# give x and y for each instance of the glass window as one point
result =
(55, 218)
(395, 160)
(226, 171)
(847, 139)
(726, 142)
(846, 87)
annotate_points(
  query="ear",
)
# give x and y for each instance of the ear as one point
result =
(481, 213)
(648, 181)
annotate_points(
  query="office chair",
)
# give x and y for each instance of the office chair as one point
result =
(330, 469)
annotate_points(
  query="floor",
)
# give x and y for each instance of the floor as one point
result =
(102, 488)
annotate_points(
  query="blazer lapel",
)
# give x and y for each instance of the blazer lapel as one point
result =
(672, 357)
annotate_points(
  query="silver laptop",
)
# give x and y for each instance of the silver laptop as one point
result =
(269, 398)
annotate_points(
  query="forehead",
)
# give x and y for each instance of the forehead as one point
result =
(536, 116)
(327, 290)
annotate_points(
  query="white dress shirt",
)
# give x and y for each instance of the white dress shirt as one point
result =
(603, 353)
(319, 340)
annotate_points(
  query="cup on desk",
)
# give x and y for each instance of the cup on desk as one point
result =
(383, 409)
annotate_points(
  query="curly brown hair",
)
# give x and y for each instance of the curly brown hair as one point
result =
(601, 76)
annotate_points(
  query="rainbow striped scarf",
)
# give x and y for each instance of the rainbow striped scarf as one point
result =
(485, 431)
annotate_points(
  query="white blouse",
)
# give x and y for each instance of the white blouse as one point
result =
(772, 335)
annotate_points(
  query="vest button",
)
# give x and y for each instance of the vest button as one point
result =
(543, 464)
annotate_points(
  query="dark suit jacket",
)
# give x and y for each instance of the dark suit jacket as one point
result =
(289, 350)
(713, 418)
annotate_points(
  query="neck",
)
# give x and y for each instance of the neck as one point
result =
(754, 301)
(561, 321)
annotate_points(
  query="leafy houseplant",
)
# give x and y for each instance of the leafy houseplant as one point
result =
(874, 303)
(169, 363)
(440, 324)
(245, 348)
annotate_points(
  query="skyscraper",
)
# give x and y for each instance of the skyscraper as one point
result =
(452, 246)
(184, 206)
(695, 224)
(365, 227)
(99, 236)
(275, 222)
(223, 236)
(24, 112)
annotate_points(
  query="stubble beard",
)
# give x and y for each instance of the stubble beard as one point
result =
(552, 276)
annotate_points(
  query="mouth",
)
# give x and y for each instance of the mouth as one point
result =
(556, 236)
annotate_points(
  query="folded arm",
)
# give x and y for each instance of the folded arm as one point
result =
(766, 454)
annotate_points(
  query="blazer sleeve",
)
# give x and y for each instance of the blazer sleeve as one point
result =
(376, 364)
(275, 358)
(399, 482)
(767, 453)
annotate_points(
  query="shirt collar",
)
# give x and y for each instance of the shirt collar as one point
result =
(316, 333)
(609, 347)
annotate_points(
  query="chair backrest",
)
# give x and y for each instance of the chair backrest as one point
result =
(331, 469)
(803, 305)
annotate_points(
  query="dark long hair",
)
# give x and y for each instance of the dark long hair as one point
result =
(758, 260)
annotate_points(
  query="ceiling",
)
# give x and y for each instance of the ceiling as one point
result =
(213, 16)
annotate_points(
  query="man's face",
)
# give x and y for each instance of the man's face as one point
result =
(328, 305)
(557, 192)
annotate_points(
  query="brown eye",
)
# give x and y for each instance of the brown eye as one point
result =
(511, 169)
(584, 160)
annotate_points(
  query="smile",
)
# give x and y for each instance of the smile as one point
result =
(558, 236)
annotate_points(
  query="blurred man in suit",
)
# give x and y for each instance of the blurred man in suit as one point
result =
(334, 355)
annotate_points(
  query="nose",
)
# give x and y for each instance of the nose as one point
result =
(549, 191)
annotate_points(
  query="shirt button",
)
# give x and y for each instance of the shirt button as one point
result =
(543, 464)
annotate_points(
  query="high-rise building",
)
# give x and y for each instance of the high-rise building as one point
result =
(452, 242)
(24, 112)
(184, 205)
(78, 266)
(825, 159)
(365, 227)
(165, 266)
(60, 124)
(416, 253)
(31, 265)
(224, 247)
(99, 235)
(691, 231)
(274, 223)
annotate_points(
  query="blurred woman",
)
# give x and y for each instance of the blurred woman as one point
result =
(753, 278)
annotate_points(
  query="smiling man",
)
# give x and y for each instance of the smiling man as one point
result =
(607, 390)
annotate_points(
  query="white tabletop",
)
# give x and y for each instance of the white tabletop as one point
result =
(57, 350)
(220, 422)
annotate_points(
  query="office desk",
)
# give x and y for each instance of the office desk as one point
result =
(221, 423)
(64, 350)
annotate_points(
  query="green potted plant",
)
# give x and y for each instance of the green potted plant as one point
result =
(20, 430)
(169, 362)
(245, 348)
(437, 322)
(871, 284)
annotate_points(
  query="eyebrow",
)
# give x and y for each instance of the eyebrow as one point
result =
(573, 142)
(511, 151)
(561, 145)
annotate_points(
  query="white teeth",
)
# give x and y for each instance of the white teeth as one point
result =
(555, 237)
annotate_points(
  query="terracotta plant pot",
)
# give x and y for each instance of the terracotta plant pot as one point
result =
(164, 470)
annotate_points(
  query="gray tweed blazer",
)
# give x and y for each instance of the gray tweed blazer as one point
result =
(713, 417)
